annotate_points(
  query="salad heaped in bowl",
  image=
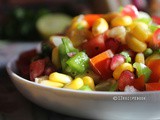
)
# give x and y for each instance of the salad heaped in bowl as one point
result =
(117, 51)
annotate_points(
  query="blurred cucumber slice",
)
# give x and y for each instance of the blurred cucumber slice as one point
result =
(52, 23)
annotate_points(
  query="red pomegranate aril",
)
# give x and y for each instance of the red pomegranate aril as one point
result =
(116, 61)
(112, 44)
(126, 78)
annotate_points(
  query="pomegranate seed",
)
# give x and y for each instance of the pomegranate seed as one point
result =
(116, 61)
(112, 44)
(126, 78)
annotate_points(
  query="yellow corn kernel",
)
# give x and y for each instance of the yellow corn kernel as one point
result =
(134, 23)
(124, 66)
(78, 18)
(110, 16)
(55, 58)
(78, 23)
(89, 81)
(59, 77)
(99, 26)
(75, 84)
(134, 44)
(140, 31)
(131, 26)
(150, 37)
(52, 84)
(140, 58)
(121, 21)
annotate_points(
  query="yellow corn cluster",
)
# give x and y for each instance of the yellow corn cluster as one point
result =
(135, 44)
(137, 37)
(59, 80)
(59, 77)
(77, 83)
(140, 31)
(44, 80)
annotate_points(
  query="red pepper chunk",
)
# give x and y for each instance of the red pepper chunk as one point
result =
(152, 86)
(156, 19)
(101, 64)
(139, 83)
(95, 45)
(156, 38)
(154, 65)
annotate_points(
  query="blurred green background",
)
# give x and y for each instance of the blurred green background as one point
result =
(18, 18)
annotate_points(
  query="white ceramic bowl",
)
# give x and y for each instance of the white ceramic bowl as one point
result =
(92, 105)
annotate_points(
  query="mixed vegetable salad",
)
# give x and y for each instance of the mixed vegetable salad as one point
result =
(117, 51)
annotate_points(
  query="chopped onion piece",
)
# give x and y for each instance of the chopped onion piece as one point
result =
(130, 89)
(40, 79)
(56, 40)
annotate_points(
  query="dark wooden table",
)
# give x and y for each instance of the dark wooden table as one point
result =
(13, 106)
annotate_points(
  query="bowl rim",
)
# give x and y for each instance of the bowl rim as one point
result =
(12, 73)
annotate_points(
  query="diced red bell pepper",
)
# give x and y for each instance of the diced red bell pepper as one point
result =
(154, 65)
(156, 38)
(156, 19)
(95, 45)
(101, 64)
(152, 86)
(139, 83)
(112, 44)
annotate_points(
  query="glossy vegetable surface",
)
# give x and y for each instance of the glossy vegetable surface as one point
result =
(102, 52)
